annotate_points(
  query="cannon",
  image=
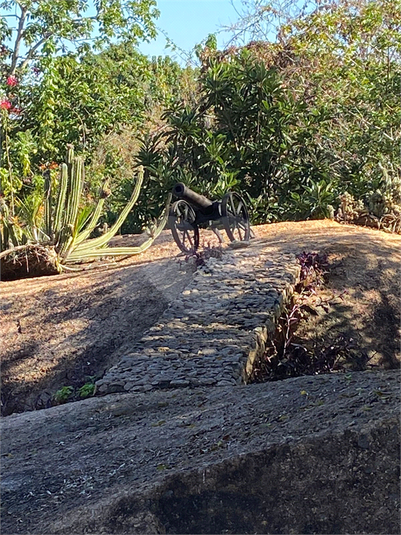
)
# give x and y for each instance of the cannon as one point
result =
(193, 211)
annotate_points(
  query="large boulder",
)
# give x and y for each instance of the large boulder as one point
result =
(306, 455)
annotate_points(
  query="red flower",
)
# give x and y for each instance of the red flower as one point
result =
(5, 104)
(12, 81)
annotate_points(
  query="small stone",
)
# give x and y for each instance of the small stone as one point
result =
(207, 351)
(115, 387)
(225, 382)
(207, 382)
(179, 383)
(136, 388)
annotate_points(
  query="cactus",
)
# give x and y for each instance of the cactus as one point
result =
(67, 226)
(74, 245)
(11, 234)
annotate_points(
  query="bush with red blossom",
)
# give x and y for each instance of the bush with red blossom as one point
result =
(5, 104)
(12, 81)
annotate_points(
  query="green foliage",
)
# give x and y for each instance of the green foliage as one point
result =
(63, 394)
(72, 95)
(47, 26)
(292, 124)
(92, 102)
(65, 224)
(295, 124)
(11, 233)
(235, 137)
(70, 74)
(316, 201)
(87, 390)
(76, 102)
(347, 62)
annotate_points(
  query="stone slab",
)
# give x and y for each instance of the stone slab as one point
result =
(306, 455)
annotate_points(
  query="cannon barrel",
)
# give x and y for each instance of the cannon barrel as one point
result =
(181, 191)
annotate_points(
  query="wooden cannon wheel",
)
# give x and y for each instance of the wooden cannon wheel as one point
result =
(235, 217)
(183, 227)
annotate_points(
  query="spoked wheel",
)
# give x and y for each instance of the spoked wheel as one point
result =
(182, 223)
(235, 217)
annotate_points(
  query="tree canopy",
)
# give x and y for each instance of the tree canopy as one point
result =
(30, 29)
(297, 122)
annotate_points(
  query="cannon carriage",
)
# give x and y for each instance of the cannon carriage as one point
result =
(193, 211)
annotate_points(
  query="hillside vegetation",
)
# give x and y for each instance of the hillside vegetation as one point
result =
(305, 125)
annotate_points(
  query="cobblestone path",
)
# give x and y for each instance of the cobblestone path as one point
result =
(213, 331)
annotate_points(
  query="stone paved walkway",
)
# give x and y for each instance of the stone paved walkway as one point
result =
(214, 330)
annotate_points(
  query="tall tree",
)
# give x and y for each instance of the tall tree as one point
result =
(30, 29)
(45, 35)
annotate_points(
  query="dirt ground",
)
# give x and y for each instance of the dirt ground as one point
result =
(68, 329)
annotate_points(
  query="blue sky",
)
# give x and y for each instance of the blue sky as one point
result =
(188, 22)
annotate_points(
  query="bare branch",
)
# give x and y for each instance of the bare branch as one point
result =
(31, 52)
(18, 39)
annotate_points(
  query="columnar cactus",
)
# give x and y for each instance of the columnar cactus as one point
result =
(72, 237)
(67, 225)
